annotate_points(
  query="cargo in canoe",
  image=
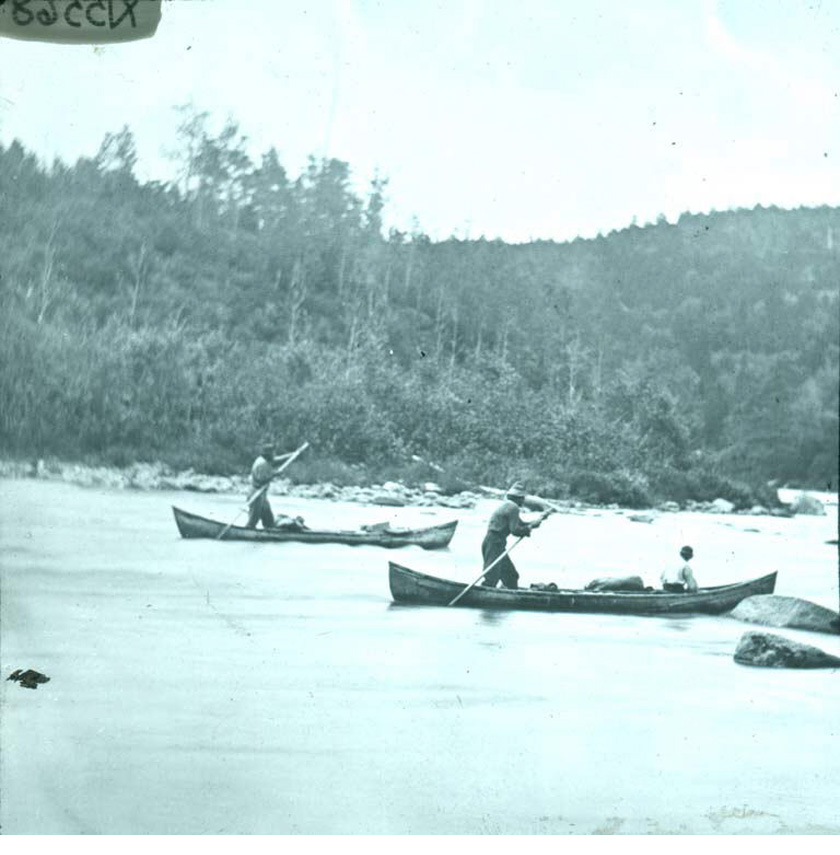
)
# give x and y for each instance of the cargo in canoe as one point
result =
(436, 537)
(409, 586)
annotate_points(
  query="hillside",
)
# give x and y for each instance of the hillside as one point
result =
(184, 322)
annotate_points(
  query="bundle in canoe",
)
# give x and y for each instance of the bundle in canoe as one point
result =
(436, 537)
(409, 586)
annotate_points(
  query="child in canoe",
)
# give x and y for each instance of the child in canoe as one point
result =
(680, 578)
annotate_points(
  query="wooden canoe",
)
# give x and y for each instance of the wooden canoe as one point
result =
(436, 537)
(409, 586)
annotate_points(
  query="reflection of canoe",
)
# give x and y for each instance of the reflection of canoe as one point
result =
(408, 586)
(436, 537)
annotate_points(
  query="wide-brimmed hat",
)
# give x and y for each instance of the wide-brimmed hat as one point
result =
(516, 491)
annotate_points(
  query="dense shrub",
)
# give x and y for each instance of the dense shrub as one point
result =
(191, 401)
(630, 490)
(706, 485)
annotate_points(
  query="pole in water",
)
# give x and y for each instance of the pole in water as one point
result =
(552, 509)
(486, 570)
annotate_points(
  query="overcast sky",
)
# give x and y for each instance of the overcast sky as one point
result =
(519, 120)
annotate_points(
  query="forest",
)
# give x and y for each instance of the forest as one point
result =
(185, 321)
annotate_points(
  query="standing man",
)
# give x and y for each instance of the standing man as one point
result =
(261, 474)
(505, 520)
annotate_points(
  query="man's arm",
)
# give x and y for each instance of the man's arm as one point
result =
(515, 523)
(280, 458)
(520, 528)
(690, 581)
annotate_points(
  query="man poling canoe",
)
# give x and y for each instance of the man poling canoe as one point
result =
(263, 471)
(504, 521)
(262, 474)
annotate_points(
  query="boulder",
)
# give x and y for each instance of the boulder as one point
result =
(431, 487)
(773, 610)
(455, 502)
(29, 679)
(388, 499)
(772, 651)
(212, 484)
(805, 504)
(758, 511)
(699, 507)
(393, 487)
(145, 476)
(669, 507)
(640, 518)
(722, 506)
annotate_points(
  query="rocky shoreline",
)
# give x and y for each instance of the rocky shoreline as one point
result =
(158, 476)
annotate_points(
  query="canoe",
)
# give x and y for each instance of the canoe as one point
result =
(436, 537)
(409, 586)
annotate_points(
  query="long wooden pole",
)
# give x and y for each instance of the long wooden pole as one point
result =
(289, 458)
(487, 569)
(259, 491)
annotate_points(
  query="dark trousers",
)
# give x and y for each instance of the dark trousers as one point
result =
(674, 587)
(261, 511)
(491, 548)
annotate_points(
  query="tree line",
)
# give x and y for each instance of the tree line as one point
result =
(184, 320)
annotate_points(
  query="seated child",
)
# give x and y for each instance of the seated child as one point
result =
(680, 579)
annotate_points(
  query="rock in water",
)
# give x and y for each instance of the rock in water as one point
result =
(805, 504)
(29, 679)
(772, 651)
(722, 506)
(388, 499)
(773, 610)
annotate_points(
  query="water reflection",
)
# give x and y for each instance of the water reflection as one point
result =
(678, 624)
(493, 617)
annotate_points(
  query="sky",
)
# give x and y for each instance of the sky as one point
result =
(514, 120)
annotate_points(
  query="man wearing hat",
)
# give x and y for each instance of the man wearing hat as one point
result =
(504, 521)
(261, 474)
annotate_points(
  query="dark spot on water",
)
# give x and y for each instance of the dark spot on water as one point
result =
(28, 679)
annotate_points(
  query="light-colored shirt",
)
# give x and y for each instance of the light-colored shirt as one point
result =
(261, 472)
(681, 575)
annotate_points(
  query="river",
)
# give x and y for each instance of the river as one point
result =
(205, 687)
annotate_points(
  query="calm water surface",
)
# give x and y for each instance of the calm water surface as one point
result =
(204, 687)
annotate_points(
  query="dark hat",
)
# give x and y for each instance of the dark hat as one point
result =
(516, 491)
(267, 446)
(687, 552)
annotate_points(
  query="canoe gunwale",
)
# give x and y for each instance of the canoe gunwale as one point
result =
(410, 587)
(193, 526)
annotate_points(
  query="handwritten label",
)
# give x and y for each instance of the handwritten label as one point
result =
(79, 21)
